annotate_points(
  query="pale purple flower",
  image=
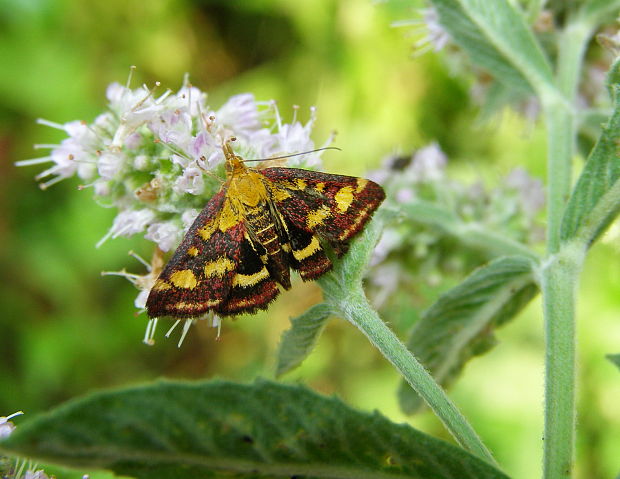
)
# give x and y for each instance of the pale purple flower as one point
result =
(188, 217)
(166, 234)
(390, 240)
(531, 190)
(6, 426)
(190, 182)
(133, 141)
(437, 36)
(432, 35)
(140, 301)
(405, 195)
(173, 127)
(429, 163)
(128, 223)
(239, 113)
(152, 156)
(295, 138)
(142, 163)
(386, 278)
(203, 147)
(189, 98)
(110, 164)
(101, 187)
(38, 474)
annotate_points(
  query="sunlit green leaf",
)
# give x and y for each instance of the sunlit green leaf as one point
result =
(473, 235)
(598, 11)
(460, 325)
(348, 271)
(595, 200)
(298, 341)
(614, 358)
(221, 429)
(498, 39)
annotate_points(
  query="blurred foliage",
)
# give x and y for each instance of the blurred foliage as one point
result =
(65, 330)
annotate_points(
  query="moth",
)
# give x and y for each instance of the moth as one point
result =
(261, 224)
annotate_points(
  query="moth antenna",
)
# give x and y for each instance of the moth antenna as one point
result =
(295, 154)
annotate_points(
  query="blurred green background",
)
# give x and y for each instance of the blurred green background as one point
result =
(65, 330)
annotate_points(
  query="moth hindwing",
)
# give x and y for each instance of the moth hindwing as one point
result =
(262, 223)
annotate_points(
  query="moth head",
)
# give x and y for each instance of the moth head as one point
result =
(234, 163)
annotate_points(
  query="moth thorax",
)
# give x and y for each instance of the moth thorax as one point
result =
(247, 188)
(234, 166)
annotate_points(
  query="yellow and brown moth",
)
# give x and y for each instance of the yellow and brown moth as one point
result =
(262, 223)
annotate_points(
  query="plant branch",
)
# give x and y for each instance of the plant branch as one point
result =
(560, 275)
(357, 310)
(559, 283)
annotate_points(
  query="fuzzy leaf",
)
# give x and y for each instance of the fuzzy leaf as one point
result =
(348, 272)
(488, 242)
(461, 323)
(615, 359)
(220, 429)
(298, 341)
(599, 11)
(595, 200)
(498, 39)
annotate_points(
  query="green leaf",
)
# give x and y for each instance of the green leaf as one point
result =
(498, 39)
(599, 11)
(348, 272)
(589, 124)
(297, 342)
(614, 358)
(471, 234)
(461, 323)
(222, 429)
(595, 200)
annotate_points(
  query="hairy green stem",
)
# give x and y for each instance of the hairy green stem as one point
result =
(559, 283)
(572, 45)
(561, 273)
(560, 138)
(357, 310)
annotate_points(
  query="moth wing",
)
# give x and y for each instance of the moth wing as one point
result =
(215, 268)
(335, 207)
(199, 275)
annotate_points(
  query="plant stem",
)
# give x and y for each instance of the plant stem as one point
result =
(559, 284)
(358, 311)
(561, 274)
(559, 117)
(560, 137)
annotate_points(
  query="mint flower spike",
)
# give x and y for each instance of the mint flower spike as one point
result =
(432, 36)
(157, 158)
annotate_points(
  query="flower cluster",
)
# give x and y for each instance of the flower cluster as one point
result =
(20, 469)
(431, 30)
(428, 238)
(158, 159)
